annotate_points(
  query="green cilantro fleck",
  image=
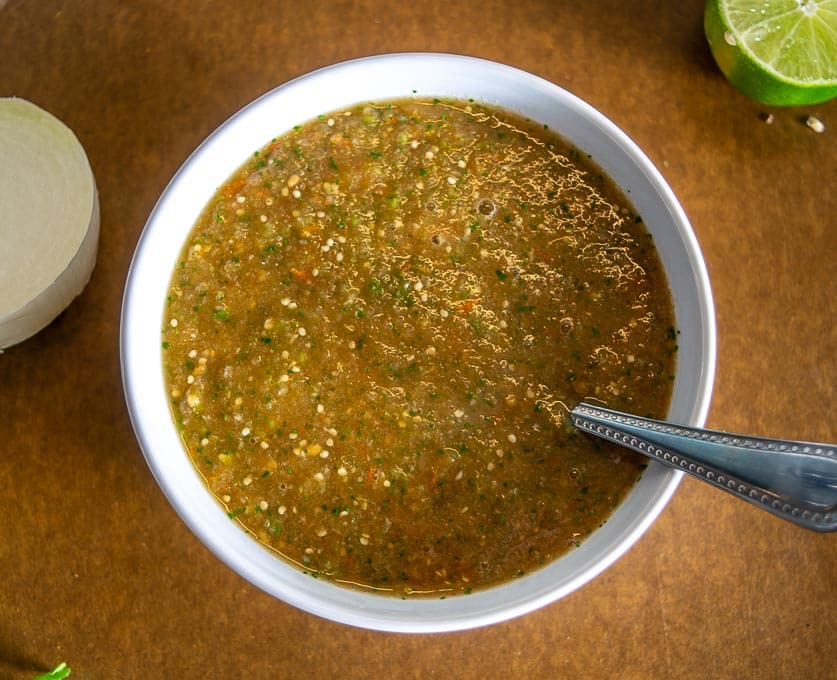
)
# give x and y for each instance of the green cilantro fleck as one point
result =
(60, 672)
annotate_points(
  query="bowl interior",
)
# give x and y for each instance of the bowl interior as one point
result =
(377, 78)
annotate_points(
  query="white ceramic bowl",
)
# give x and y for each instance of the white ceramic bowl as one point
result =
(335, 87)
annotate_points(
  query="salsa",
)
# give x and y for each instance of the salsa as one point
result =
(377, 328)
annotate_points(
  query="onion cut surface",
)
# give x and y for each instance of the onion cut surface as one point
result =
(49, 219)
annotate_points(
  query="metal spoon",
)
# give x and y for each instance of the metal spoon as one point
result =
(794, 480)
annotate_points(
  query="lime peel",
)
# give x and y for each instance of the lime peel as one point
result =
(778, 52)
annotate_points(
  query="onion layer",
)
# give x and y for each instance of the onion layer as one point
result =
(49, 219)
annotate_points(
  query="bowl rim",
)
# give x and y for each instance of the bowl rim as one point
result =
(202, 513)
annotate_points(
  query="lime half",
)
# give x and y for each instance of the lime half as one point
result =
(778, 52)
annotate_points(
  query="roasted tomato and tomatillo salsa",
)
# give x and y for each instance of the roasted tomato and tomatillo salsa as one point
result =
(378, 325)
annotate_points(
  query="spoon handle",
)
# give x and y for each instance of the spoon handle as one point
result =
(794, 480)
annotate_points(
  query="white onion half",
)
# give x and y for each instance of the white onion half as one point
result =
(49, 219)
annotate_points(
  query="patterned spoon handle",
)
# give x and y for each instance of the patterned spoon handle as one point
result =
(794, 480)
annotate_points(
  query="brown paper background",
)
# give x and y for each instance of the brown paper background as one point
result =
(96, 568)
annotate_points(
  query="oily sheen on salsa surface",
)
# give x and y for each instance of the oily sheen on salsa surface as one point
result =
(376, 330)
